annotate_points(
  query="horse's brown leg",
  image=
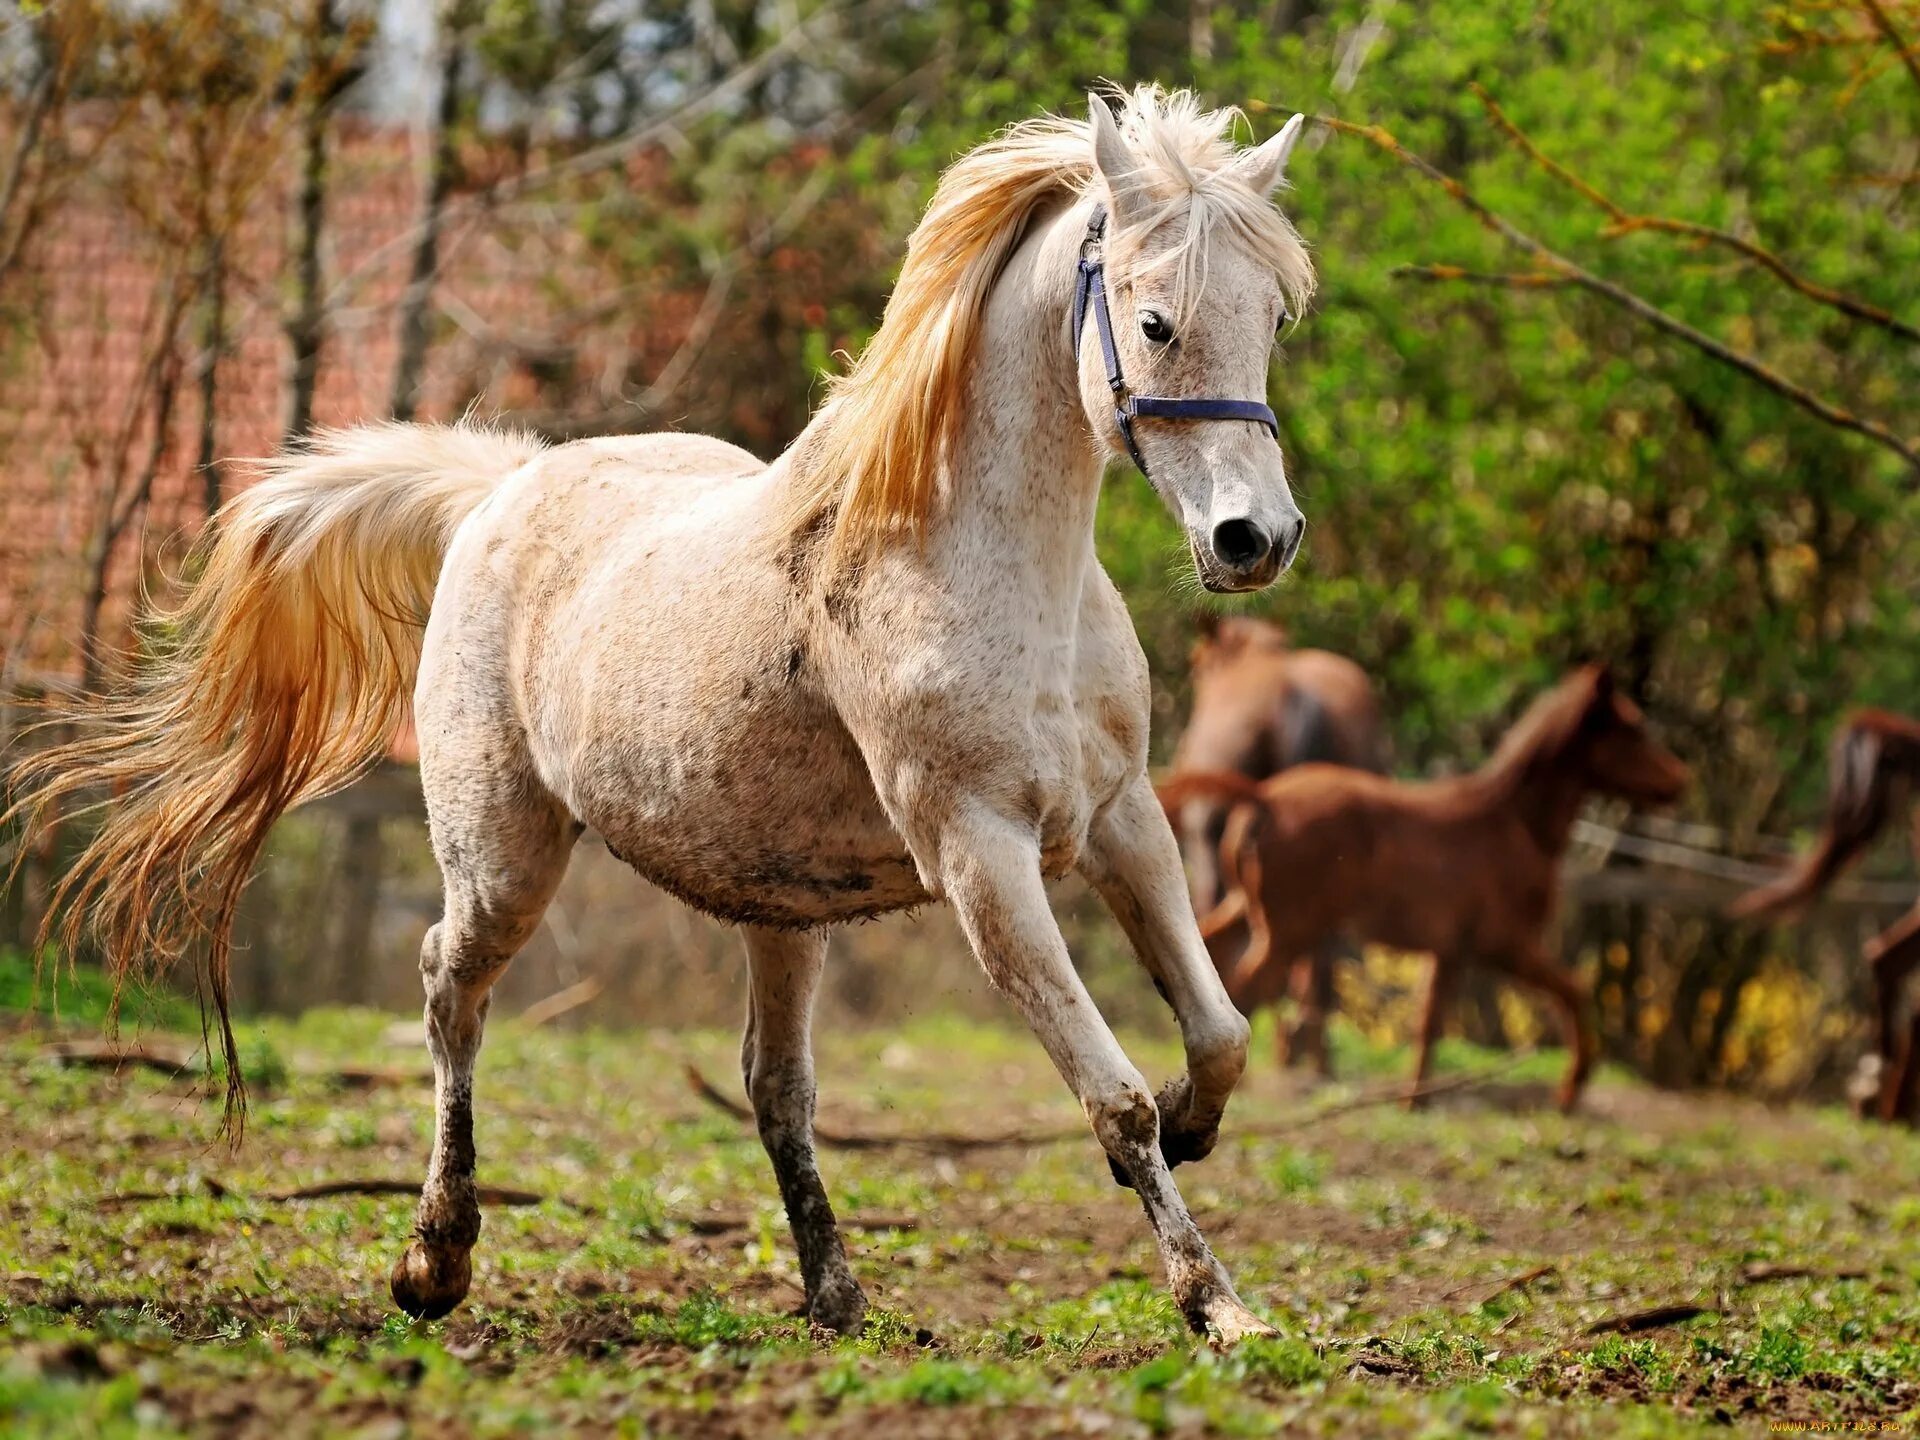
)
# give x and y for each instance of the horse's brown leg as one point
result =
(1240, 848)
(501, 868)
(1313, 995)
(1433, 1017)
(1893, 955)
(1900, 1093)
(777, 1065)
(1544, 973)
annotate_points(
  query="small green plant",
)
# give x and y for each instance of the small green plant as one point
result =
(1294, 1172)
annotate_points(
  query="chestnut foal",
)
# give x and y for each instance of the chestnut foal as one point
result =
(1259, 707)
(1465, 869)
(1874, 761)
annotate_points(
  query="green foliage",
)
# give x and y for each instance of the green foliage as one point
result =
(83, 995)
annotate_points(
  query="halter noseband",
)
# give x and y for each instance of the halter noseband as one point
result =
(1092, 288)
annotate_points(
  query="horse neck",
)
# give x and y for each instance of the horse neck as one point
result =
(1023, 481)
(1011, 538)
(1541, 786)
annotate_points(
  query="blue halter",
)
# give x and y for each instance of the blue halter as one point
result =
(1092, 289)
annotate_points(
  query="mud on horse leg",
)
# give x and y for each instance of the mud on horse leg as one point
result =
(776, 1059)
(990, 871)
(502, 858)
(1132, 860)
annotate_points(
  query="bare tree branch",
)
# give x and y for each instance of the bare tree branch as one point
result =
(39, 101)
(1884, 23)
(599, 157)
(305, 326)
(1625, 223)
(1548, 259)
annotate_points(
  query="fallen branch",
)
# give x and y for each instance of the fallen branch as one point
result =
(501, 1195)
(710, 1223)
(562, 1001)
(727, 1224)
(181, 1063)
(1393, 1094)
(1502, 1287)
(1761, 1272)
(1633, 1322)
(931, 1140)
(369, 1077)
(109, 1055)
(949, 1142)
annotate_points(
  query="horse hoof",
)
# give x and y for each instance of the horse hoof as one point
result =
(1228, 1322)
(840, 1306)
(428, 1283)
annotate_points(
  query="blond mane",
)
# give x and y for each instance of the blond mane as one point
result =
(871, 464)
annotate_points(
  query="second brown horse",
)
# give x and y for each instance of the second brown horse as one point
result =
(1465, 869)
(1875, 761)
(1260, 706)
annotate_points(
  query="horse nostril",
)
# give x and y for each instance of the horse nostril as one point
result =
(1240, 543)
(1292, 532)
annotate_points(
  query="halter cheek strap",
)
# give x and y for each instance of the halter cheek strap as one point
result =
(1090, 292)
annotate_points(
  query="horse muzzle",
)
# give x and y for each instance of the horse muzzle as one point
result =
(1241, 554)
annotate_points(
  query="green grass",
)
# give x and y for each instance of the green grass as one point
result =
(1027, 1299)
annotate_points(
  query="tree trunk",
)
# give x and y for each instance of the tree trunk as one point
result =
(213, 339)
(305, 326)
(416, 321)
(362, 866)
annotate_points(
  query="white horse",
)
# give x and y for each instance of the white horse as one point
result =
(885, 669)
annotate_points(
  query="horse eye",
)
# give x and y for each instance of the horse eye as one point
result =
(1281, 323)
(1154, 326)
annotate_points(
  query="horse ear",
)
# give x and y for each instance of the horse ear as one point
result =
(1113, 162)
(1264, 167)
(1600, 690)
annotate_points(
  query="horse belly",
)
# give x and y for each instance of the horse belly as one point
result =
(759, 811)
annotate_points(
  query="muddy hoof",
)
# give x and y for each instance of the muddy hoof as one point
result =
(1177, 1147)
(429, 1282)
(840, 1306)
(1228, 1322)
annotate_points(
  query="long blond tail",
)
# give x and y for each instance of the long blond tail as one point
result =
(281, 675)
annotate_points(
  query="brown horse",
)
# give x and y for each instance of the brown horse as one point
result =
(1874, 762)
(1465, 869)
(1260, 707)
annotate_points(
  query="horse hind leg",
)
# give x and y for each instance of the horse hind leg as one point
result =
(1893, 955)
(501, 858)
(1306, 1043)
(776, 1062)
(1433, 1019)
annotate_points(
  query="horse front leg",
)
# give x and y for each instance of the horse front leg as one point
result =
(989, 869)
(776, 1061)
(1132, 860)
